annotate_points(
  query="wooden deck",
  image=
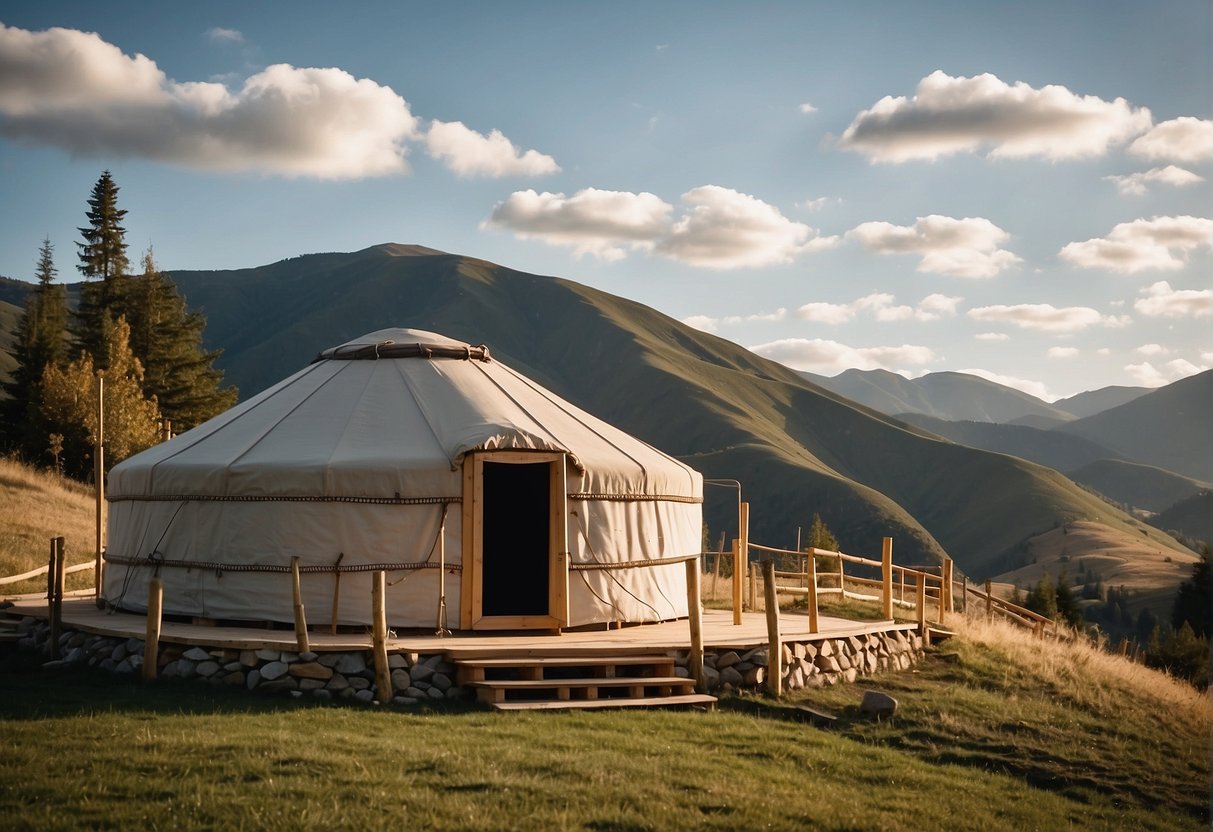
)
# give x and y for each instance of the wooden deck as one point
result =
(718, 632)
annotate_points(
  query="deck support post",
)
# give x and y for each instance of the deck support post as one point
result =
(383, 677)
(774, 642)
(301, 641)
(151, 641)
(886, 578)
(921, 579)
(947, 586)
(811, 597)
(695, 621)
(99, 480)
(745, 554)
(989, 600)
(56, 578)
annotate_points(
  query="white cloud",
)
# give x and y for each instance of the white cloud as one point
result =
(592, 221)
(1062, 352)
(1161, 301)
(882, 306)
(726, 229)
(1045, 317)
(1148, 375)
(1032, 388)
(469, 153)
(719, 228)
(1161, 243)
(1184, 139)
(955, 247)
(955, 115)
(992, 336)
(814, 204)
(830, 357)
(1152, 349)
(1145, 374)
(1207, 357)
(709, 324)
(1103, 351)
(703, 323)
(1135, 184)
(221, 35)
(72, 89)
(807, 108)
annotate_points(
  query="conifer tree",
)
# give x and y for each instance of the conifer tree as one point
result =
(41, 341)
(820, 536)
(102, 257)
(1194, 601)
(132, 422)
(167, 339)
(1068, 607)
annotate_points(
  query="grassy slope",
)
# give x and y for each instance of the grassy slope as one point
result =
(1140, 486)
(1192, 517)
(34, 507)
(798, 449)
(994, 732)
(10, 316)
(1168, 428)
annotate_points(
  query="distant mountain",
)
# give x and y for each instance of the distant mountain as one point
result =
(1137, 485)
(1171, 427)
(1192, 517)
(952, 396)
(10, 316)
(1097, 401)
(1046, 447)
(796, 448)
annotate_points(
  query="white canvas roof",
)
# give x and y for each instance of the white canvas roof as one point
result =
(357, 459)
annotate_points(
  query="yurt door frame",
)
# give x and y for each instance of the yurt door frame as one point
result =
(507, 552)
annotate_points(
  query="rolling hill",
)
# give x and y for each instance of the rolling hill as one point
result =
(1137, 485)
(1192, 517)
(951, 396)
(1091, 402)
(1167, 428)
(796, 448)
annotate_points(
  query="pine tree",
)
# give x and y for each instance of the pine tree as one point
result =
(132, 422)
(103, 257)
(167, 339)
(1042, 598)
(41, 341)
(1068, 607)
(820, 536)
(1194, 601)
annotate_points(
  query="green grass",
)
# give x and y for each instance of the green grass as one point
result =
(985, 739)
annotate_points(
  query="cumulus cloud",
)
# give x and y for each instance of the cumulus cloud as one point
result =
(703, 323)
(830, 357)
(882, 306)
(966, 247)
(469, 153)
(74, 90)
(1136, 184)
(1045, 317)
(1161, 301)
(992, 336)
(602, 223)
(1152, 349)
(950, 115)
(807, 108)
(1146, 374)
(1032, 388)
(1062, 352)
(1160, 243)
(709, 324)
(719, 228)
(1184, 139)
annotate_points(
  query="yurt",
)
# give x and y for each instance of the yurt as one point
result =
(490, 502)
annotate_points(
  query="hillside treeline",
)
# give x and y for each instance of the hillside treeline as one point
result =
(131, 329)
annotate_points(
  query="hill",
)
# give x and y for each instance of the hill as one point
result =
(10, 317)
(1136, 485)
(34, 507)
(1192, 517)
(1167, 428)
(1097, 401)
(796, 448)
(951, 396)
(1049, 448)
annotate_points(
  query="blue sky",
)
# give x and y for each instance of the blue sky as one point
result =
(1016, 190)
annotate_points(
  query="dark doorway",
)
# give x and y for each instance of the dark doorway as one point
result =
(517, 538)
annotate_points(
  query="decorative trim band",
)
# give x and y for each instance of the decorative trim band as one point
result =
(219, 498)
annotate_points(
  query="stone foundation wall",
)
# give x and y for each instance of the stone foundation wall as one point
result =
(417, 677)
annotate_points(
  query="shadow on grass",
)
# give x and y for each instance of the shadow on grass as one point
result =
(29, 692)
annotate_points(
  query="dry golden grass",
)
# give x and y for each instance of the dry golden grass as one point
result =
(1141, 564)
(34, 507)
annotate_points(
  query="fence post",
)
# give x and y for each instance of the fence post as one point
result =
(737, 571)
(842, 579)
(383, 677)
(947, 584)
(151, 641)
(989, 599)
(745, 554)
(695, 621)
(811, 598)
(56, 594)
(774, 642)
(99, 477)
(964, 594)
(920, 578)
(886, 578)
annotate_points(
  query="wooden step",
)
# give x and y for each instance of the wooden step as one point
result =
(495, 690)
(534, 667)
(579, 704)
